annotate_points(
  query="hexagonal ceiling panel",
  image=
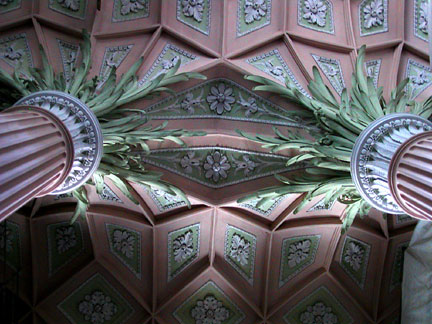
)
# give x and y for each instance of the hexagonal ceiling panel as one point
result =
(160, 262)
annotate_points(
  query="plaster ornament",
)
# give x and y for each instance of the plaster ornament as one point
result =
(314, 11)
(97, 308)
(124, 243)
(11, 53)
(183, 246)
(128, 6)
(277, 71)
(109, 195)
(298, 252)
(318, 313)
(254, 10)
(354, 255)
(189, 161)
(193, 8)
(65, 238)
(247, 164)
(373, 14)
(73, 5)
(169, 64)
(423, 18)
(250, 105)
(240, 249)
(420, 78)
(216, 166)
(209, 311)
(220, 98)
(5, 2)
(189, 103)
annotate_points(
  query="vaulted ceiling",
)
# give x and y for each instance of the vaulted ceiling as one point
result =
(160, 262)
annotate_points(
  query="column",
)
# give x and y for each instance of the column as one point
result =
(36, 155)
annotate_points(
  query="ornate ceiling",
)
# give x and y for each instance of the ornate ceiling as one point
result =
(160, 262)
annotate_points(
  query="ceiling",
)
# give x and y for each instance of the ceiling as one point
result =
(160, 262)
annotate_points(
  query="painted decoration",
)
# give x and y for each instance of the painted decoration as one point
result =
(209, 304)
(252, 15)
(165, 201)
(320, 206)
(10, 244)
(274, 65)
(397, 266)
(316, 15)
(65, 243)
(421, 19)
(217, 167)
(266, 209)
(113, 57)
(223, 99)
(354, 259)
(183, 249)
(297, 254)
(420, 78)
(96, 301)
(9, 5)
(15, 50)
(239, 251)
(125, 244)
(69, 54)
(332, 70)
(373, 17)
(109, 195)
(319, 307)
(195, 14)
(72, 8)
(373, 69)
(166, 60)
(125, 10)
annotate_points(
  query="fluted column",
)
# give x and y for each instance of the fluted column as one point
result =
(36, 155)
(410, 176)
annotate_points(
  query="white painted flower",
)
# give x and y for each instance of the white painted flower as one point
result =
(6, 238)
(373, 14)
(239, 249)
(354, 255)
(247, 165)
(420, 78)
(250, 105)
(11, 53)
(128, 6)
(220, 98)
(298, 252)
(65, 238)
(216, 165)
(97, 308)
(314, 11)
(209, 311)
(169, 64)
(423, 19)
(189, 161)
(193, 8)
(318, 314)
(124, 242)
(5, 2)
(254, 10)
(183, 246)
(73, 5)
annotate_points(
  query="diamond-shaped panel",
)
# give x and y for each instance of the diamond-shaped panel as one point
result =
(355, 258)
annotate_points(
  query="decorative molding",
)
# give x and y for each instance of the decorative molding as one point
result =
(420, 78)
(59, 257)
(373, 69)
(72, 8)
(314, 307)
(84, 128)
(274, 65)
(113, 57)
(10, 244)
(252, 15)
(109, 195)
(70, 309)
(192, 103)
(320, 206)
(297, 254)
(310, 15)
(166, 60)
(69, 54)
(125, 245)
(355, 254)
(397, 266)
(186, 259)
(267, 208)
(165, 201)
(421, 19)
(332, 70)
(14, 49)
(184, 315)
(245, 244)
(9, 5)
(373, 17)
(126, 10)
(198, 13)
(218, 167)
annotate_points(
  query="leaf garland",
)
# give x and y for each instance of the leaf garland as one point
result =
(327, 154)
(123, 129)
